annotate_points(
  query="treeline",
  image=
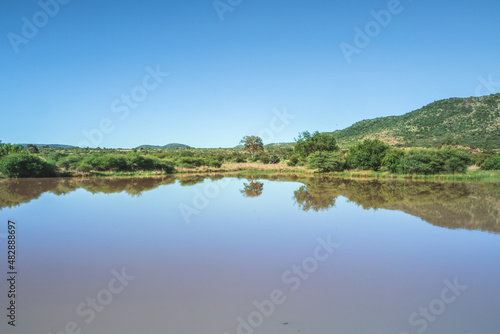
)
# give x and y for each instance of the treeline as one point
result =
(32, 161)
(16, 161)
(320, 151)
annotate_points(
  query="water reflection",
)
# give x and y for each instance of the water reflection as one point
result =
(450, 205)
(252, 189)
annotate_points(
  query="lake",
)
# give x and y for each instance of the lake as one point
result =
(266, 255)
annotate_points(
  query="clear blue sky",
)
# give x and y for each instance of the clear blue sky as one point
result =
(226, 78)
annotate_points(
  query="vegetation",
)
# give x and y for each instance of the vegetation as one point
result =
(491, 163)
(174, 146)
(252, 144)
(428, 141)
(367, 154)
(25, 165)
(326, 161)
(307, 143)
(6, 149)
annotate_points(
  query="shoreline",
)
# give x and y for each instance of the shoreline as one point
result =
(255, 169)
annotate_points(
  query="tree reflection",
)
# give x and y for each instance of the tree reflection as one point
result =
(474, 206)
(308, 199)
(252, 189)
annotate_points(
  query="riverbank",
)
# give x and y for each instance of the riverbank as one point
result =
(256, 169)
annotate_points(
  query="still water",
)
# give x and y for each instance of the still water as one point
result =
(265, 255)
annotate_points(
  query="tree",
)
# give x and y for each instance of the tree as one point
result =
(32, 148)
(455, 165)
(326, 161)
(419, 161)
(367, 154)
(492, 163)
(252, 144)
(455, 160)
(307, 143)
(6, 149)
(392, 160)
(25, 165)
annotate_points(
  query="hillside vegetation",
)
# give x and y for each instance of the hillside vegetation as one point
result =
(472, 122)
(164, 147)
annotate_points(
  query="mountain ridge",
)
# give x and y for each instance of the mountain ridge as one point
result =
(472, 121)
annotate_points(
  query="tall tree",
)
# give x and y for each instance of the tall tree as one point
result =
(307, 143)
(252, 144)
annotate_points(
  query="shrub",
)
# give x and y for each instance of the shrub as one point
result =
(166, 166)
(111, 162)
(367, 154)
(480, 158)
(293, 161)
(161, 155)
(214, 163)
(422, 162)
(54, 157)
(6, 149)
(189, 162)
(70, 162)
(25, 165)
(274, 159)
(307, 143)
(455, 161)
(137, 162)
(392, 160)
(326, 161)
(265, 159)
(239, 159)
(492, 163)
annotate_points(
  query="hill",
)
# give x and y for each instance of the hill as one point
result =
(49, 145)
(168, 146)
(279, 144)
(472, 122)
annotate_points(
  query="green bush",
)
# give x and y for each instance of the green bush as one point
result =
(214, 163)
(392, 160)
(294, 160)
(492, 163)
(422, 162)
(190, 162)
(70, 162)
(455, 161)
(239, 159)
(54, 157)
(307, 143)
(112, 162)
(274, 159)
(480, 158)
(367, 154)
(326, 161)
(264, 159)
(25, 165)
(6, 149)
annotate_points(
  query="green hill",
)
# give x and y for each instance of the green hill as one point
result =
(279, 144)
(168, 146)
(472, 122)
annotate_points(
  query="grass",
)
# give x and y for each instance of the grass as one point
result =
(471, 175)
